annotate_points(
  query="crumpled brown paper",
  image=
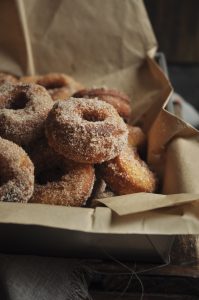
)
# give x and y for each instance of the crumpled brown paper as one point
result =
(107, 43)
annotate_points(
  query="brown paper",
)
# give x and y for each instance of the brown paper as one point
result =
(182, 156)
(15, 50)
(88, 39)
(106, 43)
(174, 220)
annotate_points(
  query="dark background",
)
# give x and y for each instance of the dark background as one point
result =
(176, 26)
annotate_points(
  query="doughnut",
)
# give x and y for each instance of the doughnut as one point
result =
(23, 110)
(16, 173)
(136, 137)
(4, 76)
(59, 86)
(127, 174)
(88, 131)
(119, 100)
(58, 181)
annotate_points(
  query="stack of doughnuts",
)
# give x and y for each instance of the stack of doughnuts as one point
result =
(61, 144)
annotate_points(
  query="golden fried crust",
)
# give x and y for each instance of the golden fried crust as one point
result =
(16, 173)
(136, 137)
(72, 188)
(23, 111)
(88, 131)
(60, 86)
(127, 174)
(4, 77)
(57, 178)
(117, 99)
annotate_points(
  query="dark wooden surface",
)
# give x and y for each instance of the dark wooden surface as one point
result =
(177, 280)
(176, 26)
(185, 80)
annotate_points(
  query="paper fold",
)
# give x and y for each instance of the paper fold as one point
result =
(141, 202)
(168, 221)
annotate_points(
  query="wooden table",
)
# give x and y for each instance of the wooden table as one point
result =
(177, 280)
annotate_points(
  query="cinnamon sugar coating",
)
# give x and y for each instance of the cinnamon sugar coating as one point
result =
(86, 131)
(16, 173)
(60, 86)
(117, 99)
(59, 181)
(127, 174)
(23, 111)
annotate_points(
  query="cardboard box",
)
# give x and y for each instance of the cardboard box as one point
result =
(103, 43)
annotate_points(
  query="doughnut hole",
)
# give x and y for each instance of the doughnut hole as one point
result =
(93, 116)
(19, 101)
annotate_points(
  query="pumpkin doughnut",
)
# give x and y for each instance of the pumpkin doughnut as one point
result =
(88, 131)
(23, 110)
(119, 100)
(127, 174)
(16, 173)
(58, 181)
(4, 76)
(59, 86)
(136, 137)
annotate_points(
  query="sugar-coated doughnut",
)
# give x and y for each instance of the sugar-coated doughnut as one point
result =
(16, 173)
(119, 100)
(72, 187)
(23, 111)
(127, 174)
(59, 181)
(60, 86)
(86, 131)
